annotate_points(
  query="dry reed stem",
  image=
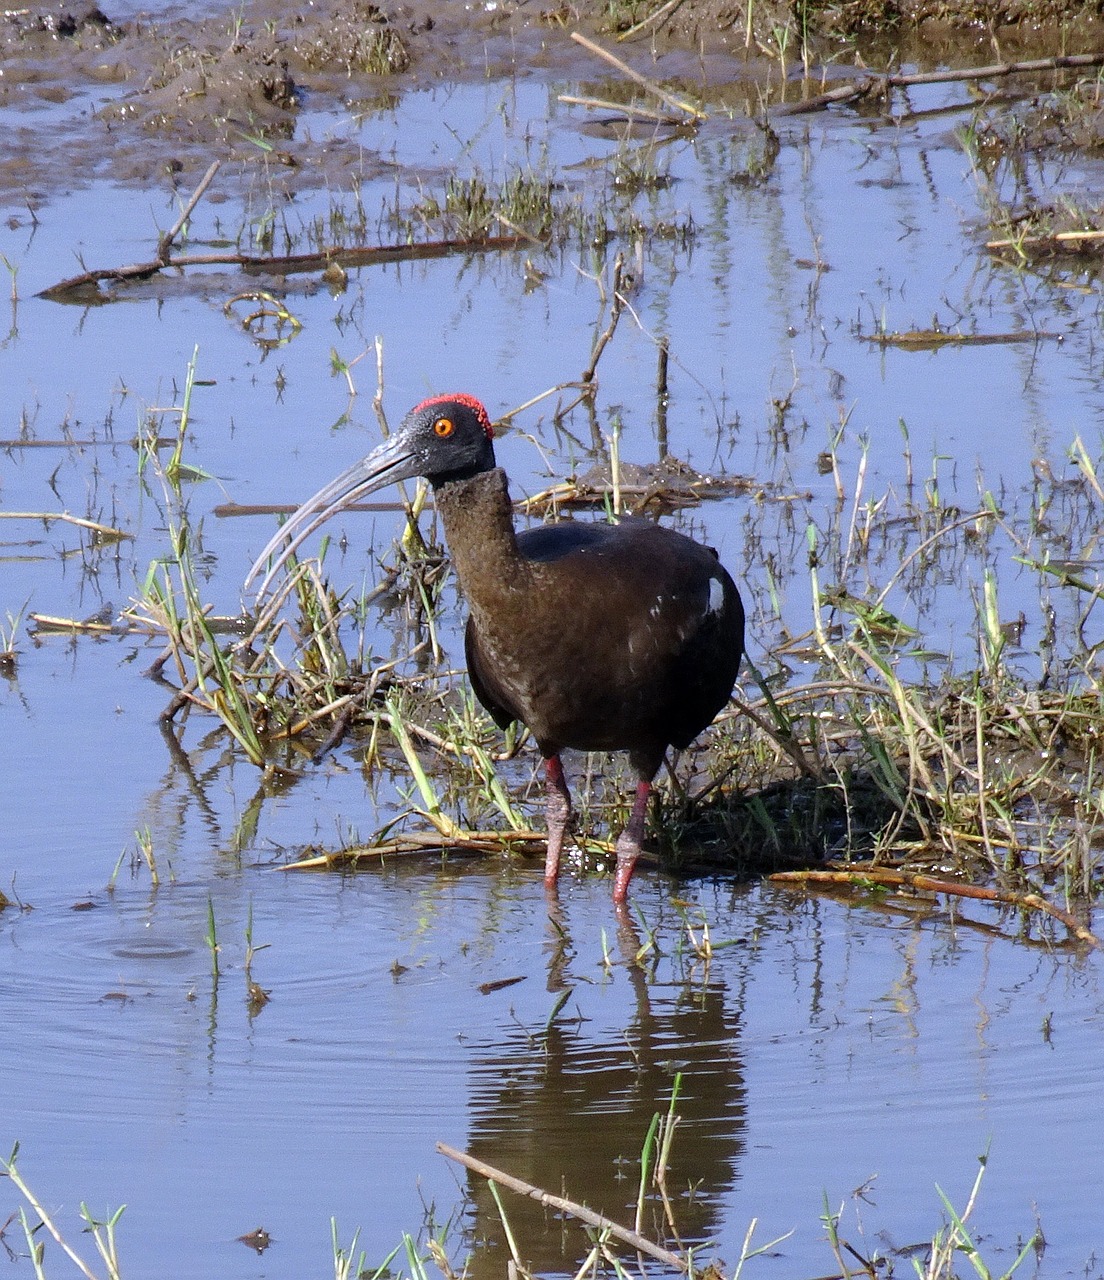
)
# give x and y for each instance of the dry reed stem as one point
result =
(664, 12)
(470, 842)
(933, 339)
(632, 1238)
(104, 530)
(48, 622)
(290, 263)
(166, 241)
(601, 104)
(870, 82)
(616, 307)
(858, 877)
(676, 104)
(1056, 237)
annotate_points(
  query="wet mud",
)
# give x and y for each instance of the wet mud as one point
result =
(94, 96)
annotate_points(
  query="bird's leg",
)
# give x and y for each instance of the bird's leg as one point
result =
(630, 840)
(557, 816)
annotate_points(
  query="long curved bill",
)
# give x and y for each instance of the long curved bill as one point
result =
(391, 462)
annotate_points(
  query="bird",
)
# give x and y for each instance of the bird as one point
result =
(597, 636)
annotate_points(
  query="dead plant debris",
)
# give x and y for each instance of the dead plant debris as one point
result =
(862, 877)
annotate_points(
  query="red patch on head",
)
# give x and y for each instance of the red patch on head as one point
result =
(469, 402)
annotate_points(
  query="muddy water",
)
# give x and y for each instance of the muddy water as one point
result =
(825, 1045)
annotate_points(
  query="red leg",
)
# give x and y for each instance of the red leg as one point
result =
(630, 841)
(557, 816)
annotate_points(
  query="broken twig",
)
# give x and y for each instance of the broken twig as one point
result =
(676, 104)
(101, 530)
(632, 1238)
(166, 242)
(933, 339)
(288, 264)
(852, 90)
(1055, 241)
(616, 307)
(857, 877)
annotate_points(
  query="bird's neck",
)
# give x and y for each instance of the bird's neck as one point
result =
(479, 529)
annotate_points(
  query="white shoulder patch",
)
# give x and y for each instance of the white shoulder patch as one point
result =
(716, 596)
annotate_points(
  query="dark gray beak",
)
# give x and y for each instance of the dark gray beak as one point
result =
(393, 461)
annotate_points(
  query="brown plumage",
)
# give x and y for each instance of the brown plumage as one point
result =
(597, 636)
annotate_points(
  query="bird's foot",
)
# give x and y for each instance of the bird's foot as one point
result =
(626, 860)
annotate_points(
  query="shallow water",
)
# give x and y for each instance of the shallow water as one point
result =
(827, 1045)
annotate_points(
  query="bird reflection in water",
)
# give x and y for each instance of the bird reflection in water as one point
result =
(568, 1111)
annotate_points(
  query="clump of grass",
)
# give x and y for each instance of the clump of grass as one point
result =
(1063, 120)
(143, 842)
(234, 668)
(345, 222)
(639, 172)
(623, 14)
(1008, 143)
(358, 38)
(536, 204)
(9, 633)
(950, 1241)
(171, 599)
(473, 207)
(623, 199)
(1065, 233)
(980, 774)
(285, 688)
(102, 1230)
(660, 1237)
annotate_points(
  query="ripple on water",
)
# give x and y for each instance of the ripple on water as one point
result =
(116, 1006)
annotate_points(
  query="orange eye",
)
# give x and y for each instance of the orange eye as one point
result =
(443, 427)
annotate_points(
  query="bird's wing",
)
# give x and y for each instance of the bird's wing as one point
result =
(490, 694)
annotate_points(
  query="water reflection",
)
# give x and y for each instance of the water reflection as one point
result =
(568, 1109)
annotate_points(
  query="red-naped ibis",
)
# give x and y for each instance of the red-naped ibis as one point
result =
(597, 636)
